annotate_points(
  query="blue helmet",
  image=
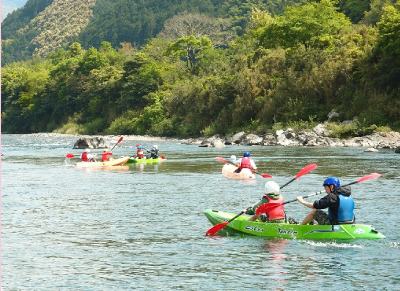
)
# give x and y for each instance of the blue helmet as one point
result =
(331, 181)
(139, 147)
(246, 154)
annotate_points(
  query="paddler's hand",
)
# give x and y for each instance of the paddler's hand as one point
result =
(300, 199)
(244, 210)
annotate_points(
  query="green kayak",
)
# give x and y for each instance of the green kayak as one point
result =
(144, 161)
(293, 231)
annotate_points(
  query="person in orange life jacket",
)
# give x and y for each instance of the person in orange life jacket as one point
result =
(339, 202)
(104, 156)
(275, 215)
(87, 156)
(139, 153)
(245, 162)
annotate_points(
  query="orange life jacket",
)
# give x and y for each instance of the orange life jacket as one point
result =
(277, 212)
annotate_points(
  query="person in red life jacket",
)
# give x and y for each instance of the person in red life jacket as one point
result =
(105, 156)
(339, 202)
(139, 152)
(87, 156)
(245, 163)
(272, 195)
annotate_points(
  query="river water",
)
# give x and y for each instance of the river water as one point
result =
(64, 228)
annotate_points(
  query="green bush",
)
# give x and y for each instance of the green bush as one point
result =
(96, 126)
(122, 125)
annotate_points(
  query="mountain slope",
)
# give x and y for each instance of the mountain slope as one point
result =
(42, 26)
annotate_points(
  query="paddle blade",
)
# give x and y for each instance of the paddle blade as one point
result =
(68, 156)
(120, 139)
(266, 176)
(222, 160)
(305, 170)
(137, 144)
(213, 230)
(161, 156)
(267, 207)
(369, 177)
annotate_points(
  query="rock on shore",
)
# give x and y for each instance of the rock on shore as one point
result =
(318, 137)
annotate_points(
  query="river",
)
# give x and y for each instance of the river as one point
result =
(65, 228)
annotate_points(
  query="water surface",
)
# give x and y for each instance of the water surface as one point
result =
(65, 228)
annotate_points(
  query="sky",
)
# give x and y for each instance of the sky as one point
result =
(7, 6)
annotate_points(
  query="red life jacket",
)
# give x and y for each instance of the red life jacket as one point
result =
(85, 157)
(277, 212)
(105, 157)
(139, 154)
(246, 163)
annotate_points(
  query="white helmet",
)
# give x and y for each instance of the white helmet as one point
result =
(88, 150)
(155, 147)
(272, 187)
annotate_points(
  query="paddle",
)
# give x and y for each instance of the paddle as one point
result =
(120, 139)
(218, 227)
(269, 206)
(302, 172)
(213, 230)
(68, 156)
(226, 161)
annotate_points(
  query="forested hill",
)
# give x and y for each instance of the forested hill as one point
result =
(200, 67)
(42, 26)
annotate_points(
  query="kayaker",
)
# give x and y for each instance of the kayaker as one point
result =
(105, 156)
(245, 162)
(139, 152)
(272, 195)
(87, 156)
(154, 152)
(339, 202)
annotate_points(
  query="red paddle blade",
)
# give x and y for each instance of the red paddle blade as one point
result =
(137, 144)
(68, 156)
(266, 176)
(120, 139)
(368, 177)
(222, 160)
(267, 207)
(305, 170)
(161, 156)
(213, 230)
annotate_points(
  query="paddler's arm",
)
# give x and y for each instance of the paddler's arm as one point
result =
(252, 210)
(305, 203)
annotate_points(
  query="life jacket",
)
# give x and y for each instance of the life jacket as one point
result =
(105, 157)
(85, 157)
(140, 154)
(277, 212)
(346, 210)
(245, 163)
(154, 154)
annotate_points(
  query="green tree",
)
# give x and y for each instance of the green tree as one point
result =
(190, 49)
(312, 25)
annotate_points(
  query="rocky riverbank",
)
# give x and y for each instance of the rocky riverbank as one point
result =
(319, 136)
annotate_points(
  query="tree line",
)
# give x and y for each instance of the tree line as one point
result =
(288, 69)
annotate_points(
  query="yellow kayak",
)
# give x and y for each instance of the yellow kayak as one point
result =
(116, 162)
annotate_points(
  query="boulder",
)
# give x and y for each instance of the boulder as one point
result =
(238, 137)
(218, 143)
(371, 150)
(252, 139)
(91, 143)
